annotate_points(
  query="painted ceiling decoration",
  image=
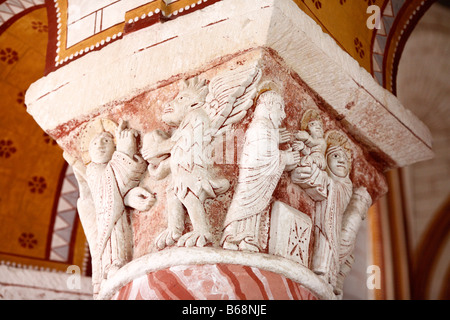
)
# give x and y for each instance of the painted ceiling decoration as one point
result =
(39, 226)
(77, 29)
(9, 9)
(377, 50)
(88, 27)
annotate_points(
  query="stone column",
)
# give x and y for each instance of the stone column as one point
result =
(230, 153)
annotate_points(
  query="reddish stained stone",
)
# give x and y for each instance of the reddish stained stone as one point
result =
(143, 112)
(244, 282)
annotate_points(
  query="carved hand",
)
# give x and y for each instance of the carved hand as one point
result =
(301, 173)
(126, 140)
(285, 136)
(292, 157)
(140, 199)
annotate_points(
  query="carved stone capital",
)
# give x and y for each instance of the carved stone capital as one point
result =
(195, 154)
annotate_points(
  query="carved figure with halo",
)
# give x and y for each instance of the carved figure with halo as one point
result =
(108, 176)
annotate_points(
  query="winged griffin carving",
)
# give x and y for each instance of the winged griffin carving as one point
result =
(199, 113)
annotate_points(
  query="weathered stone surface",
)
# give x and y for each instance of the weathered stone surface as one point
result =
(220, 131)
(144, 60)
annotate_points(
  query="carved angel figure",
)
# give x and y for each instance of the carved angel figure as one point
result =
(108, 181)
(260, 169)
(332, 190)
(310, 141)
(199, 113)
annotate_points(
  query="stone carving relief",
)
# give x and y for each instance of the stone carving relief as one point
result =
(199, 114)
(354, 214)
(310, 140)
(108, 177)
(262, 163)
(334, 228)
(113, 165)
(290, 233)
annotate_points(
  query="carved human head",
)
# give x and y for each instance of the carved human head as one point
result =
(338, 154)
(270, 105)
(92, 131)
(337, 162)
(312, 122)
(191, 96)
(102, 148)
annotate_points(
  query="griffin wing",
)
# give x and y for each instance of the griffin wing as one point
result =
(230, 96)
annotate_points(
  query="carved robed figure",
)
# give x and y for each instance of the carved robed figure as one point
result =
(332, 190)
(108, 185)
(261, 165)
